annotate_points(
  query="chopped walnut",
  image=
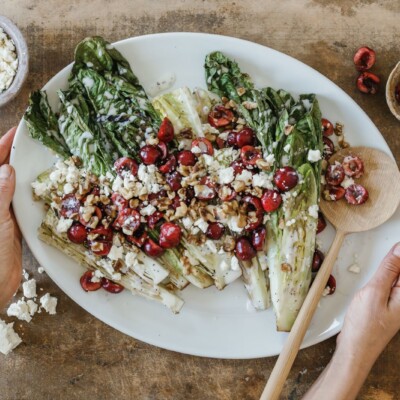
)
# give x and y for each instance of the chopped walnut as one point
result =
(180, 211)
(264, 165)
(238, 186)
(241, 91)
(288, 129)
(285, 267)
(338, 129)
(97, 246)
(133, 203)
(249, 105)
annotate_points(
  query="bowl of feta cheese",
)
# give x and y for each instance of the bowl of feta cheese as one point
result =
(14, 60)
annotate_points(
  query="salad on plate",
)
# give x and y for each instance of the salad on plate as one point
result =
(194, 186)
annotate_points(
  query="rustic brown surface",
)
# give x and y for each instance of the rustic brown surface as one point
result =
(74, 356)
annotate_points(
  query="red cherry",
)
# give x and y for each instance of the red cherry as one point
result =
(353, 166)
(318, 258)
(329, 148)
(271, 200)
(163, 149)
(250, 155)
(119, 201)
(87, 284)
(368, 83)
(189, 194)
(327, 127)
(105, 247)
(245, 137)
(364, 58)
(238, 166)
(174, 180)
(170, 235)
(356, 194)
(220, 116)
(244, 250)
(126, 164)
(169, 165)
(138, 238)
(335, 192)
(220, 142)
(253, 204)
(154, 218)
(215, 230)
(209, 191)
(187, 158)
(166, 131)
(231, 139)
(152, 249)
(286, 178)
(127, 219)
(204, 145)
(258, 238)
(103, 234)
(150, 154)
(334, 174)
(77, 233)
(111, 286)
(70, 206)
(321, 223)
(331, 284)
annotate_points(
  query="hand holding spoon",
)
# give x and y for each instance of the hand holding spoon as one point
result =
(382, 180)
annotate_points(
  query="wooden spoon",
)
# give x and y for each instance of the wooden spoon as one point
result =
(382, 180)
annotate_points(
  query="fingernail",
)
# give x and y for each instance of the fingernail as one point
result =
(5, 171)
(396, 250)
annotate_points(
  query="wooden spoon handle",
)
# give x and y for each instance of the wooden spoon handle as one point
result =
(289, 352)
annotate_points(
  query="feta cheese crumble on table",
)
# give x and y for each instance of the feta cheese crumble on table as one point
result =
(8, 61)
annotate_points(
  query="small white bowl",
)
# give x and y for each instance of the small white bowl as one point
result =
(393, 80)
(23, 60)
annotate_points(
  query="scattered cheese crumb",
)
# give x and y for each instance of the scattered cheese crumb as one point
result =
(9, 339)
(314, 155)
(313, 211)
(29, 289)
(40, 270)
(235, 266)
(20, 309)
(63, 225)
(354, 268)
(49, 303)
(116, 253)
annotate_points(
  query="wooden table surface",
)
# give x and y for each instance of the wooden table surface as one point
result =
(74, 356)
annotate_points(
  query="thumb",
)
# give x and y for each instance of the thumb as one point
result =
(7, 186)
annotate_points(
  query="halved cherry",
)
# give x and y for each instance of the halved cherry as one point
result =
(87, 284)
(321, 225)
(150, 154)
(174, 180)
(245, 137)
(70, 206)
(138, 238)
(231, 139)
(220, 116)
(364, 58)
(111, 286)
(318, 258)
(250, 155)
(238, 166)
(204, 145)
(258, 238)
(166, 131)
(327, 127)
(334, 193)
(102, 234)
(163, 149)
(286, 178)
(170, 235)
(244, 250)
(353, 166)
(176, 202)
(220, 142)
(334, 174)
(253, 204)
(188, 195)
(119, 201)
(187, 158)
(154, 218)
(368, 83)
(96, 213)
(169, 165)
(100, 248)
(128, 219)
(77, 233)
(271, 200)
(152, 249)
(206, 190)
(331, 284)
(356, 194)
(154, 197)
(126, 164)
(329, 148)
(215, 230)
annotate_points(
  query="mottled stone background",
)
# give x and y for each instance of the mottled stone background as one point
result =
(74, 356)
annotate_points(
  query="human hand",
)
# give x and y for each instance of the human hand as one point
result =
(10, 235)
(372, 319)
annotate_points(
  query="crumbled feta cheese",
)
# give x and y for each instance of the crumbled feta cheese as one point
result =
(8, 61)
(208, 160)
(270, 159)
(116, 253)
(49, 303)
(262, 180)
(313, 211)
(88, 82)
(39, 188)
(245, 176)
(68, 188)
(291, 222)
(20, 310)
(40, 270)
(116, 276)
(64, 224)
(287, 148)
(187, 222)
(235, 266)
(232, 224)
(354, 268)
(196, 150)
(29, 289)
(226, 175)
(326, 291)
(9, 339)
(131, 259)
(25, 274)
(347, 181)
(148, 210)
(224, 266)
(202, 225)
(33, 307)
(314, 155)
(203, 191)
